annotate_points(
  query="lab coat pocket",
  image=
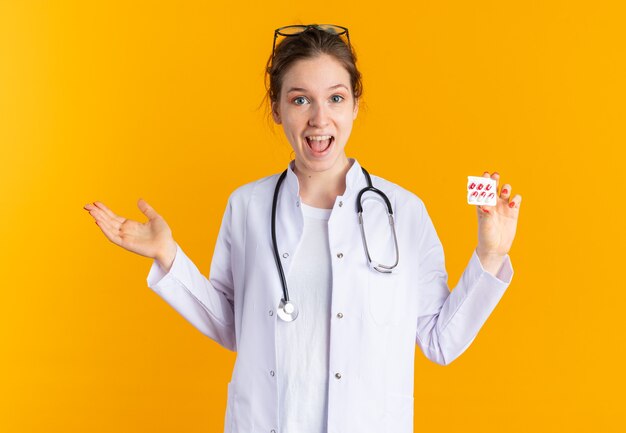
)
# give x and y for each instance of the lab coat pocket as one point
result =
(399, 412)
(384, 298)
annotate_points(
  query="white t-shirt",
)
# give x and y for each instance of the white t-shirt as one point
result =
(303, 345)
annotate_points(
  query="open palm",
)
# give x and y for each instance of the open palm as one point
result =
(148, 239)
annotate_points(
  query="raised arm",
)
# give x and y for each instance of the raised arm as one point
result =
(448, 322)
(207, 305)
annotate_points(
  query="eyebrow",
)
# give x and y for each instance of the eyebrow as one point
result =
(301, 89)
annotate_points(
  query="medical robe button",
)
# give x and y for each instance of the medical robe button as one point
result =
(272, 431)
(285, 255)
(271, 313)
(340, 255)
(338, 375)
(340, 203)
(272, 373)
(340, 315)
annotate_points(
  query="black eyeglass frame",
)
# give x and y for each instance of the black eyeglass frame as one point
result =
(305, 27)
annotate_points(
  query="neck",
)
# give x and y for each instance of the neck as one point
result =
(320, 189)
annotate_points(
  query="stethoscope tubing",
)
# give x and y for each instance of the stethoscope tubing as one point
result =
(276, 256)
(286, 309)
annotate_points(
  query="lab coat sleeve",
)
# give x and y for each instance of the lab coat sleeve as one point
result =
(206, 303)
(448, 321)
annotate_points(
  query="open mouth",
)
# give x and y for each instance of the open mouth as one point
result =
(320, 144)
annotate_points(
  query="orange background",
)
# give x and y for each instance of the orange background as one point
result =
(117, 100)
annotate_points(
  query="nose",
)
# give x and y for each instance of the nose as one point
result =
(319, 116)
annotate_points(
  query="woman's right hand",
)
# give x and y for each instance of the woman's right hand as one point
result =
(150, 239)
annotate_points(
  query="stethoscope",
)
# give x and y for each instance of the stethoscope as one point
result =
(287, 310)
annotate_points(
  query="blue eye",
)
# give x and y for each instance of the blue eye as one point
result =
(337, 96)
(299, 98)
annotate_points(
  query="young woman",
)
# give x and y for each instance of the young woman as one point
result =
(324, 305)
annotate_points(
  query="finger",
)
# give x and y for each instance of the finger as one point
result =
(147, 209)
(110, 234)
(106, 223)
(505, 193)
(483, 209)
(496, 176)
(108, 212)
(103, 220)
(101, 216)
(515, 201)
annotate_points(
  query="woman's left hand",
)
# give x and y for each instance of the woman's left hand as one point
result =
(497, 224)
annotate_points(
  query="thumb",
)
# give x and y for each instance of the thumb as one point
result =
(482, 210)
(147, 209)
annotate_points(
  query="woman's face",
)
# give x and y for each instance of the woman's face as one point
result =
(316, 109)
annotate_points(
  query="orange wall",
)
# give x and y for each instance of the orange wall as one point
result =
(117, 100)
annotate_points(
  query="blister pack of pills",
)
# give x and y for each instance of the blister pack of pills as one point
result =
(481, 190)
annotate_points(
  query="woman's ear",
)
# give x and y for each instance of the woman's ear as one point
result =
(356, 109)
(276, 113)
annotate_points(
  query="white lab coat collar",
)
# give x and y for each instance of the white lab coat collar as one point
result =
(355, 179)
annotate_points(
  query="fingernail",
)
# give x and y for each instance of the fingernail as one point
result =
(495, 172)
(504, 191)
(512, 204)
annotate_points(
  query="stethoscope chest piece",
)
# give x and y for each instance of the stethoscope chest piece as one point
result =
(287, 311)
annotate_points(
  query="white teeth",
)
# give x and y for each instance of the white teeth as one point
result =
(319, 137)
